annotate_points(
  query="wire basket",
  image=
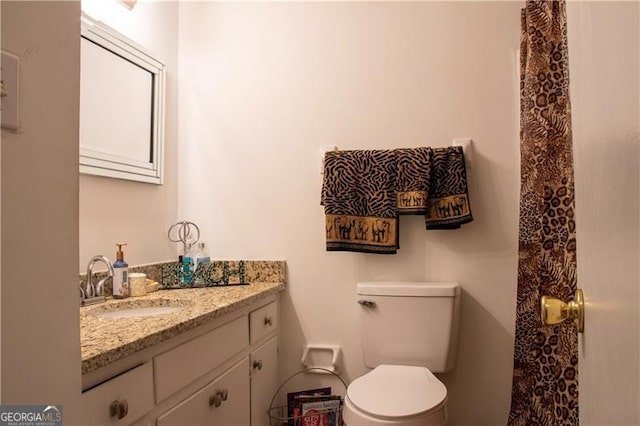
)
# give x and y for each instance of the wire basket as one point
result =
(279, 416)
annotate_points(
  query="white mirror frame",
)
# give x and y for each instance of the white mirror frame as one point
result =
(102, 162)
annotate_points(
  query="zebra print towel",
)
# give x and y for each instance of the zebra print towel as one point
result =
(359, 198)
(448, 203)
(413, 181)
(363, 193)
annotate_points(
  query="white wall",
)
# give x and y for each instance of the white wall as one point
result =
(264, 85)
(40, 332)
(603, 50)
(112, 210)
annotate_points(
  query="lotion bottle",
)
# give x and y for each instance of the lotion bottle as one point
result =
(120, 275)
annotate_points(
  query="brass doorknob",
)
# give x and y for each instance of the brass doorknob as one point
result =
(554, 311)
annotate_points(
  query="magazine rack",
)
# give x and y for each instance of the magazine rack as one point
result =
(278, 415)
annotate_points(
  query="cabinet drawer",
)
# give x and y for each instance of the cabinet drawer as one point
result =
(180, 366)
(131, 392)
(263, 321)
(201, 409)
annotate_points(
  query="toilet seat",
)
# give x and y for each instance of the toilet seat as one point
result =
(396, 391)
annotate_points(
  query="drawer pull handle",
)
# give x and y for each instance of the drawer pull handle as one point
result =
(119, 409)
(215, 400)
(219, 397)
(268, 321)
(257, 364)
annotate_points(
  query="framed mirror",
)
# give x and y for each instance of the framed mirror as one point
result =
(122, 96)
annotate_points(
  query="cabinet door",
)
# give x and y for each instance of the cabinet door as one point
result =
(201, 409)
(264, 381)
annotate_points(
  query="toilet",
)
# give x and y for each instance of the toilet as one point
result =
(409, 331)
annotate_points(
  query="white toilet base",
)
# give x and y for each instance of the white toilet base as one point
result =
(353, 416)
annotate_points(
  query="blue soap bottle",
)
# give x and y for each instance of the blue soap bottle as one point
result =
(187, 266)
(120, 275)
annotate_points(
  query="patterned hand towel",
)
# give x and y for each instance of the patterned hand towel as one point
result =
(448, 203)
(359, 198)
(413, 181)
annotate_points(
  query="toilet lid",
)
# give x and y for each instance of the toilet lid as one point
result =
(397, 391)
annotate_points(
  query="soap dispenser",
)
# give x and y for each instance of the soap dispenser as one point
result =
(120, 275)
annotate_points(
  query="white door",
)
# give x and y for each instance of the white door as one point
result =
(604, 56)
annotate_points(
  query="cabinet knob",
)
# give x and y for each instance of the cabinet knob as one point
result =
(119, 409)
(367, 303)
(257, 364)
(268, 321)
(225, 394)
(215, 400)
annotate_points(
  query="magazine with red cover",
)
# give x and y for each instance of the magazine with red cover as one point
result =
(318, 410)
(291, 400)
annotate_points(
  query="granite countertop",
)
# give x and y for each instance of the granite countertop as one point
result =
(103, 341)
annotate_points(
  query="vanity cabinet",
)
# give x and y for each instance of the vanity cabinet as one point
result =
(222, 372)
(240, 396)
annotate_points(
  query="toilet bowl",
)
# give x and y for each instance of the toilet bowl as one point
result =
(408, 331)
(396, 395)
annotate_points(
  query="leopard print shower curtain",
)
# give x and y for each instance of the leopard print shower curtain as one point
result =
(545, 374)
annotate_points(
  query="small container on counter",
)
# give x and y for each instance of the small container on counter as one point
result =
(151, 286)
(137, 284)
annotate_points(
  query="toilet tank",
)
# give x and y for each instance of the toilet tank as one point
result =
(409, 323)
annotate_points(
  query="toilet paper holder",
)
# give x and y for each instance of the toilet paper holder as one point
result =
(313, 352)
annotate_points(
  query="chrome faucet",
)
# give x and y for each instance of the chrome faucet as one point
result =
(95, 293)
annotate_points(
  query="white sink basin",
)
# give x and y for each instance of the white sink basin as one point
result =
(138, 308)
(140, 312)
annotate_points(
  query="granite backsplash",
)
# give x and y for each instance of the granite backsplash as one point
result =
(266, 271)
